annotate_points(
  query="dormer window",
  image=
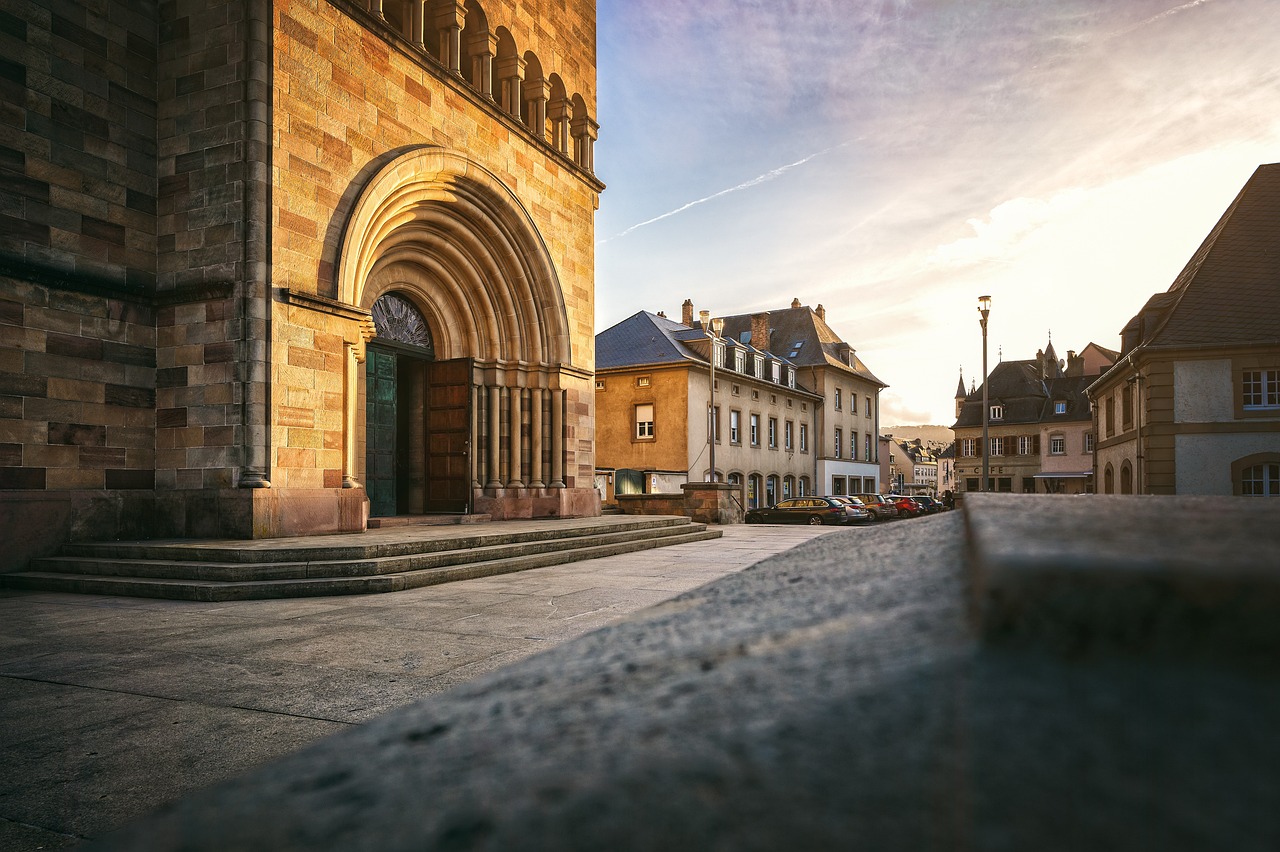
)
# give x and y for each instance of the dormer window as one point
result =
(777, 372)
(717, 349)
(759, 367)
(1060, 406)
(997, 412)
(739, 361)
(791, 377)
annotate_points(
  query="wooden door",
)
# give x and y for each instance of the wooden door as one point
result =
(448, 436)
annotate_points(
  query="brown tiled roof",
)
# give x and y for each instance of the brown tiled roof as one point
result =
(800, 336)
(1229, 292)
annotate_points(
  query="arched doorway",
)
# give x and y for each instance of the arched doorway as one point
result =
(417, 417)
(436, 232)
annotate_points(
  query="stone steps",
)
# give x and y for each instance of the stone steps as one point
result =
(341, 565)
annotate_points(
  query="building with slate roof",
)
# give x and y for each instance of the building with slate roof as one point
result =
(1192, 406)
(795, 413)
(1040, 430)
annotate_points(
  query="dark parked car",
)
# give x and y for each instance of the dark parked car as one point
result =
(880, 508)
(932, 505)
(803, 510)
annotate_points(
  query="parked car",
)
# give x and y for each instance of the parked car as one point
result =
(880, 508)
(804, 510)
(858, 511)
(907, 506)
(932, 505)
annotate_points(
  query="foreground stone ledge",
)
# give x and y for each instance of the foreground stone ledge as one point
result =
(1191, 577)
(831, 697)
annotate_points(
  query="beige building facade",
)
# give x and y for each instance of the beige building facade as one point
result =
(336, 259)
(1193, 404)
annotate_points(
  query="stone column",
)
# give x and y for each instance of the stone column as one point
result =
(516, 475)
(535, 438)
(350, 383)
(511, 73)
(449, 20)
(416, 23)
(557, 438)
(585, 133)
(536, 94)
(375, 6)
(494, 473)
(560, 111)
(483, 48)
(477, 445)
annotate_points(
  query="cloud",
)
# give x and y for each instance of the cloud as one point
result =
(998, 236)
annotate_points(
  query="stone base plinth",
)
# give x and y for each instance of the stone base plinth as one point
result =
(704, 502)
(509, 503)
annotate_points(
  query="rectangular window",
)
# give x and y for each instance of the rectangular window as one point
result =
(837, 399)
(1261, 389)
(1057, 445)
(787, 429)
(642, 381)
(997, 447)
(967, 446)
(836, 454)
(853, 445)
(868, 410)
(997, 412)
(739, 360)
(758, 366)
(599, 384)
(1060, 406)
(715, 423)
(1111, 415)
(777, 372)
(1088, 442)
(755, 430)
(773, 433)
(791, 377)
(734, 438)
(1126, 405)
(837, 485)
(644, 421)
(804, 437)
(866, 444)
(1024, 445)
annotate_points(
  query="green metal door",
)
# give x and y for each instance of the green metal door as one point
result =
(380, 431)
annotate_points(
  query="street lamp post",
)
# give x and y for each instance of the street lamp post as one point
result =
(717, 326)
(984, 308)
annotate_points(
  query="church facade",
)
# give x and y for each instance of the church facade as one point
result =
(269, 267)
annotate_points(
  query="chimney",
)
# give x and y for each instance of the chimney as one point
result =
(704, 320)
(821, 312)
(686, 312)
(760, 331)
(795, 303)
(662, 314)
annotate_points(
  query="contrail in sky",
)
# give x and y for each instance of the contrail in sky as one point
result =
(1166, 13)
(764, 178)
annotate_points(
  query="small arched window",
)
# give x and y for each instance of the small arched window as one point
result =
(1126, 478)
(1109, 480)
(398, 320)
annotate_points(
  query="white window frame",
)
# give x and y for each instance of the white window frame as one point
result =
(644, 427)
(804, 437)
(838, 436)
(788, 434)
(734, 425)
(773, 433)
(997, 412)
(1057, 445)
(1263, 387)
(755, 429)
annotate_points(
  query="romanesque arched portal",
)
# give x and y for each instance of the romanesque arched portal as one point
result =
(438, 233)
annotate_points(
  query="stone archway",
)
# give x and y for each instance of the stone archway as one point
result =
(447, 235)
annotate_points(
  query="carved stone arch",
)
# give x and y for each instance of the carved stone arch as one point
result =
(437, 223)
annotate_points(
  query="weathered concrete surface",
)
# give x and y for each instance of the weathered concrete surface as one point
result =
(1182, 577)
(831, 697)
(110, 707)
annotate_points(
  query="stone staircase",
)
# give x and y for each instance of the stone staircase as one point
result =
(383, 560)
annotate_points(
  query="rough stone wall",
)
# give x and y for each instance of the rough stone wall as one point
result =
(77, 270)
(345, 99)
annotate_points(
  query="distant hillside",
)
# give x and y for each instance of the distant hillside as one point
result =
(938, 436)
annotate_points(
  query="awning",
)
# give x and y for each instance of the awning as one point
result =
(1064, 475)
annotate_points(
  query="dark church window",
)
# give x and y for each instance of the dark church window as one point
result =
(398, 320)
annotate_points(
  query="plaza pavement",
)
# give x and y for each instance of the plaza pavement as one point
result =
(111, 706)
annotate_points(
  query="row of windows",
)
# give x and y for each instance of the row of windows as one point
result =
(997, 411)
(754, 366)
(837, 446)
(838, 403)
(771, 488)
(1021, 445)
(842, 485)
(644, 431)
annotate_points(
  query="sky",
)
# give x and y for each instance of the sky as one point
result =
(895, 160)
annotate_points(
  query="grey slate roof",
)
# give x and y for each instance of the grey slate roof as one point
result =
(801, 336)
(1229, 292)
(1027, 396)
(643, 338)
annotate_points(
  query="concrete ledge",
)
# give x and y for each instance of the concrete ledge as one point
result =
(1194, 577)
(830, 697)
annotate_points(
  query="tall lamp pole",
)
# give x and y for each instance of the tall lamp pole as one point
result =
(717, 326)
(984, 308)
